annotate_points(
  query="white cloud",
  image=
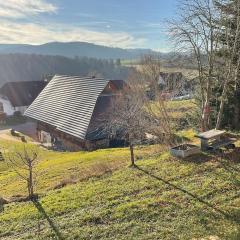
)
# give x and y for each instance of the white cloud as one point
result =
(13, 32)
(25, 8)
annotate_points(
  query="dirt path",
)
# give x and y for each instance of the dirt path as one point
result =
(5, 135)
(27, 129)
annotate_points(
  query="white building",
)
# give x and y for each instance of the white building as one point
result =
(6, 106)
(17, 96)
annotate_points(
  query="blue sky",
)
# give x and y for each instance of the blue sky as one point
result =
(118, 23)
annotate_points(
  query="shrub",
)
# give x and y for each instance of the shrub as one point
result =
(14, 133)
(23, 139)
(64, 183)
(15, 119)
(17, 114)
(2, 203)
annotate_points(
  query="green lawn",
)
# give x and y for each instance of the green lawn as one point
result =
(183, 112)
(164, 198)
(178, 109)
(181, 109)
(56, 167)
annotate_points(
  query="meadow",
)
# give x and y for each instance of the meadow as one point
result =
(96, 195)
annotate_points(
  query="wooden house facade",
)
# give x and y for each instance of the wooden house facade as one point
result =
(70, 109)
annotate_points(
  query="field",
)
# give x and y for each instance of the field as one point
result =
(184, 112)
(55, 168)
(165, 67)
(163, 198)
(181, 109)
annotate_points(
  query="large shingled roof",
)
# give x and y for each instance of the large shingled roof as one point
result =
(67, 103)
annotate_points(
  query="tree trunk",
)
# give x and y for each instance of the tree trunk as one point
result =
(30, 184)
(205, 116)
(132, 154)
(206, 111)
(220, 112)
(236, 116)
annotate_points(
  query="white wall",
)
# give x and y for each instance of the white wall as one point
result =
(7, 106)
(21, 109)
(9, 109)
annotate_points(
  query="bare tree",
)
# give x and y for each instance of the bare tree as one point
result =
(151, 70)
(127, 116)
(161, 125)
(134, 115)
(195, 31)
(23, 161)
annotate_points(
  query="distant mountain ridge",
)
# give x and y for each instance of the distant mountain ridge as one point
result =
(76, 49)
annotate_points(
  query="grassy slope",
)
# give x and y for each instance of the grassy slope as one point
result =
(55, 167)
(165, 198)
(181, 109)
(191, 73)
(177, 109)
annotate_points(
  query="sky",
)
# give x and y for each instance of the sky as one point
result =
(115, 23)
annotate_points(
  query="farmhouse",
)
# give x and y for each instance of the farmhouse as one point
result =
(17, 96)
(70, 109)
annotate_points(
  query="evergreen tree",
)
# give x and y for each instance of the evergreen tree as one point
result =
(229, 51)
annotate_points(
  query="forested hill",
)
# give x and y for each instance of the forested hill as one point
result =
(73, 49)
(26, 67)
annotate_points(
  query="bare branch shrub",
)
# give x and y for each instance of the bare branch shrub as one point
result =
(136, 116)
(162, 125)
(127, 114)
(23, 160)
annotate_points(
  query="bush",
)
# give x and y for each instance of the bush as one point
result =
(64, 183)
(23, 139)
(14, 133)
(14, 120)
(2, 203)
(17, 114)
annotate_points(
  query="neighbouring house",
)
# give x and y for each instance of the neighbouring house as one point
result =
(17, 96)
(70, 109)
(175, 84)
(6, 106)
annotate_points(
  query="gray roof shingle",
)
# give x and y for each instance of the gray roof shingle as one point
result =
(67, 103)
